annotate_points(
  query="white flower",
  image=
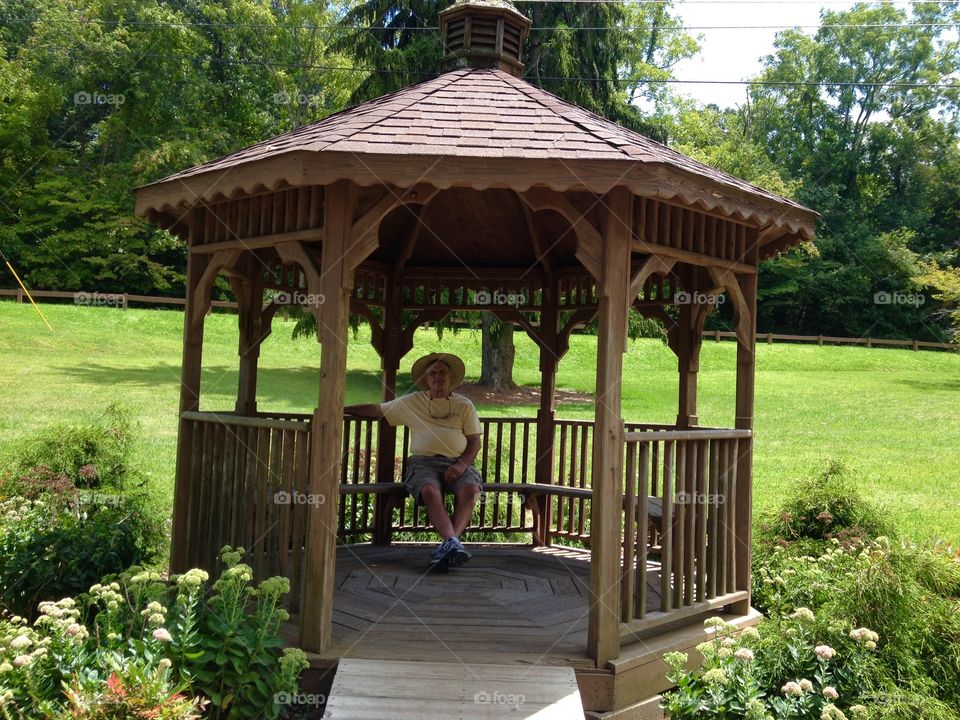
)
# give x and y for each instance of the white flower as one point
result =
(20, 642)
(824, 652)
(162, 634)
(830, 693)
(22, 660)
(792, 688)
(745, 654)
(806, 685)
(802, 613)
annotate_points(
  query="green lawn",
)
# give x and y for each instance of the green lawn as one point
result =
(892, 415)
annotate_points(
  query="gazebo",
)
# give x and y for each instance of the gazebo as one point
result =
(475, 190)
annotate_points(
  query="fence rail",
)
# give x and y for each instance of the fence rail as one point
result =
(122, 300)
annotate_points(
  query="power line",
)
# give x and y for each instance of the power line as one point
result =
(433, 28)
(639, 81)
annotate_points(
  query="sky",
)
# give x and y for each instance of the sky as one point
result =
(735, 54)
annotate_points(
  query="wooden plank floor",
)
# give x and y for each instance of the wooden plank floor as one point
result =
(511, 604)
(402, 690)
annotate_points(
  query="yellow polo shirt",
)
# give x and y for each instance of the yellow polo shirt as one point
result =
(431, 435)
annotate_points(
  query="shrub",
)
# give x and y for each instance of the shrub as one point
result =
(907, 593)
(50, 550)
(92, 455)
(141, 644)
(826, 507)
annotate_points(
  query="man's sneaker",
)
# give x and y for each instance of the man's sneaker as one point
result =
(440, 550)
(448, 554)
(442, 553)
(458, 555)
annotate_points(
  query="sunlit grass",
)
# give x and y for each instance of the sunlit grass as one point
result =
(893, 416)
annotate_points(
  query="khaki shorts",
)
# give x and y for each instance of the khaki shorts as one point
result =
(428, 470)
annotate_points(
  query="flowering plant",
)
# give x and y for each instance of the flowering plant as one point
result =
(143, 646)
(785, 670)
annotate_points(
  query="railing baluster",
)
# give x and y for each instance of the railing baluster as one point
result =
(640, 610)
(702, 512)
(680, 525)
(629, 576)
(714, 513)
(666, 527)
(732, 520)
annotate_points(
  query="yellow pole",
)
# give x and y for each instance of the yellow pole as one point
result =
(32, 301)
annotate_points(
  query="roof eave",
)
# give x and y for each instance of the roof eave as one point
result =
(298, 168)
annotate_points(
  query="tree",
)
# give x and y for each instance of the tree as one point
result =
(862, 118)
(585, 53)
(102, 97)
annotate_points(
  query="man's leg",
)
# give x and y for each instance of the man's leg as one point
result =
(432, 499)
(466, 499)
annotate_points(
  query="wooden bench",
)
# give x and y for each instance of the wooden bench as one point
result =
(391, 495)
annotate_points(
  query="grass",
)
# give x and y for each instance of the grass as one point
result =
(891, 415)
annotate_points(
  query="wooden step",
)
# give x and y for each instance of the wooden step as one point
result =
(402, 690)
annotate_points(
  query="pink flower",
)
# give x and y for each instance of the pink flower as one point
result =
(792, 689)
(745, 654)
(824, 652)
(162, 634)
(830, 693)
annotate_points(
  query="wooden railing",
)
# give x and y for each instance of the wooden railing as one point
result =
(680, 497)
(248, 488)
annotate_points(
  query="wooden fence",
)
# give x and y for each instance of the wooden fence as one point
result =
(122, 300)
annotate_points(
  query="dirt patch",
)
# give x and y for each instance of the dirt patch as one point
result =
(521, 396)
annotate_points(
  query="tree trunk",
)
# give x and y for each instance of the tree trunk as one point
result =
(496, 371)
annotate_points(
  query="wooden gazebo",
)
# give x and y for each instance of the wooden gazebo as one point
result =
(448, 195)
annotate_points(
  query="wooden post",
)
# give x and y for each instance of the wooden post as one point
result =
(249, 292)
(316, 626)
(689, 339)
(189, 399)
(743, 512)
(603, 638)
(546, 415)
(386, 433)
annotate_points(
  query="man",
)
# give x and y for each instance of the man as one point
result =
(444, 441)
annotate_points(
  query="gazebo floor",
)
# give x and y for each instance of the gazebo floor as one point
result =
(511, 604)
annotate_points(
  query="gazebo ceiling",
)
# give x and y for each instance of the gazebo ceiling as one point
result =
(475, 128)
(467, 228)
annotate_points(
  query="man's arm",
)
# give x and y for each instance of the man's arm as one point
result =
(366, 410)
(465, 460)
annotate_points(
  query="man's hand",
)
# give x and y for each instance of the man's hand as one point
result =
(453, 472)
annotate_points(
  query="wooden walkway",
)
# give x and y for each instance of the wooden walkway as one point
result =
(511, 604)
(401, 690)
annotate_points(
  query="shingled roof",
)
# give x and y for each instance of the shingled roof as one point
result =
(475, 114)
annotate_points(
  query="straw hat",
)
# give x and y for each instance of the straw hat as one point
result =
(420, 367)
